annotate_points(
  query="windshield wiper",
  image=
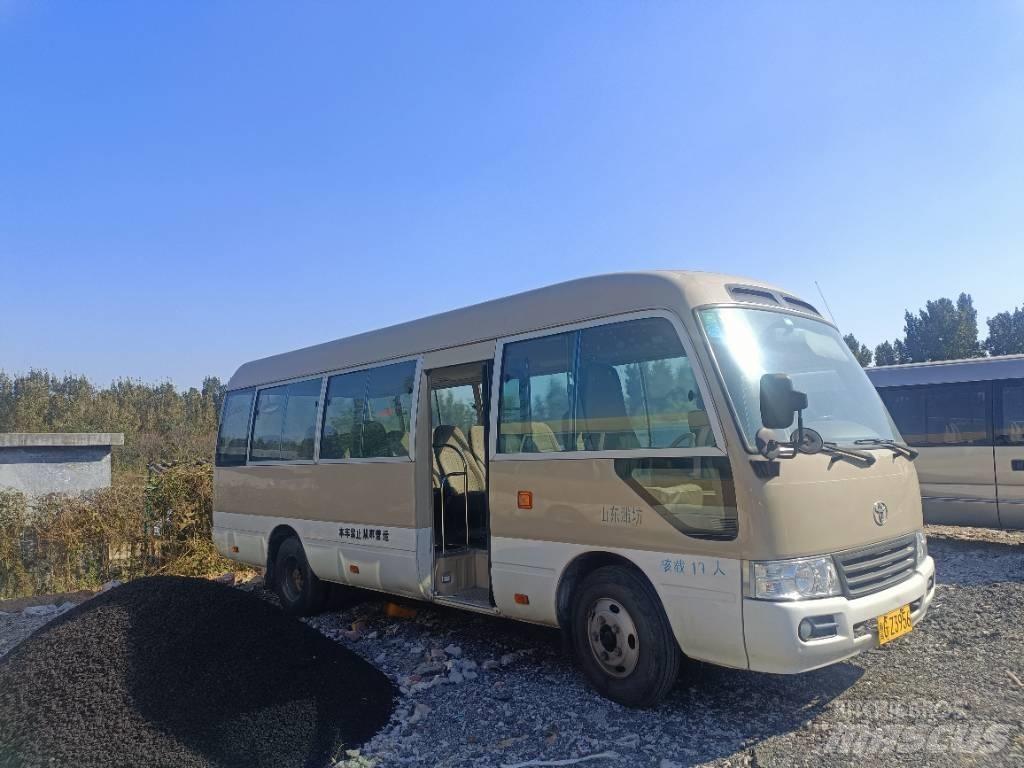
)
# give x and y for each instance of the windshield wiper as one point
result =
(836, 452)
(900, 449)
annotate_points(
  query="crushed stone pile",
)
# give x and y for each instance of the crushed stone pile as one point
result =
(169, 671)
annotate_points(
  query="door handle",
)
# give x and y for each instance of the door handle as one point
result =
(1017, 465)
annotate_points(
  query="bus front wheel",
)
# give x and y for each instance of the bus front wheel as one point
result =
(300, 591)
(622, 640)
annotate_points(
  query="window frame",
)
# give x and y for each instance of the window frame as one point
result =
(989, 388)
(252, 424)
(696, 366)
(998, 414)
(413, 412)
(324, 377)
(248, 427)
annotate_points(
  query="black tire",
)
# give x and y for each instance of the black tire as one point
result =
(300, 591)
(635, 671)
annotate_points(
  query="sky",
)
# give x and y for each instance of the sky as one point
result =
(186, 186)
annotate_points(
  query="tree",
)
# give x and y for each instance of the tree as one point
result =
(860, 351)
(942, 331)
(159, 423)
(885, 354)
(891, 353)
(1006, 333)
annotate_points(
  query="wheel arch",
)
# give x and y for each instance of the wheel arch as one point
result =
(277, 536)
(582, 566)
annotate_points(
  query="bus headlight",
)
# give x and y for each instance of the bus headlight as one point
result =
(922, 547)
(799, 579)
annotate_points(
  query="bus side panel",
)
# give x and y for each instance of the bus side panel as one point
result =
(388, 564)
(958, 485)
(356, 521)
(699, 585)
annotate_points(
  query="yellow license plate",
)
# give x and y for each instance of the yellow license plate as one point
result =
(894, 624)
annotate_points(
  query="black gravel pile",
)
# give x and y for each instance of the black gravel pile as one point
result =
(171, 671)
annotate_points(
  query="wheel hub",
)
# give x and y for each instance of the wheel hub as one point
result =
(292, 580)
(613, 637)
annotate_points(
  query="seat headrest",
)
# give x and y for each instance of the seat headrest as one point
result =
(446, 434)
(601, 392)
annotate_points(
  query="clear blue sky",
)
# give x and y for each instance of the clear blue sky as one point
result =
(185, 186)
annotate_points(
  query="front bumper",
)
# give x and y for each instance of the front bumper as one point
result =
(770, 628)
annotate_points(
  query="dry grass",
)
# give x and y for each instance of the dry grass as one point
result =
(135, 528)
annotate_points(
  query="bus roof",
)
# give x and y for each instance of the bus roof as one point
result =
(573, 301)
(948, 371)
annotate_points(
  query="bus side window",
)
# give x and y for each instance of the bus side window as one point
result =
(536, 405)
(637, 389)
(233, 435)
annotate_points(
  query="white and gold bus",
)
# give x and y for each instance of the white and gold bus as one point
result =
(615, 456)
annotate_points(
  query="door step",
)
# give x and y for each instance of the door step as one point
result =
(475, 599)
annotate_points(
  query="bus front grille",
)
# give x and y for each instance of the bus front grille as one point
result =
(872, 569)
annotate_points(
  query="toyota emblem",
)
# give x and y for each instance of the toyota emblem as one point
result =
(880, 513)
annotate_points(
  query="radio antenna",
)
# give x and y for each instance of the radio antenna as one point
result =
(822, 294)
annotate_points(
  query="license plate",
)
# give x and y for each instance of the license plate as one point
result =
(894, 624)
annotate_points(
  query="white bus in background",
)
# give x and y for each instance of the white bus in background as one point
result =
(657, 463)
(966, 418)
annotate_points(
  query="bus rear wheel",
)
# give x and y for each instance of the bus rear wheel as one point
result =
(622, 640)
(300, 591)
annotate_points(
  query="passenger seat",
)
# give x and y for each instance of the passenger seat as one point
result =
(603, 420)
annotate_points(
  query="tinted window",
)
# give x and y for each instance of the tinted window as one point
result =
(1011, 426)
(367, 413)
(637, 389)
(535, 410)
(956, 414)
(943, 414)
(234, 428)
(284, 427)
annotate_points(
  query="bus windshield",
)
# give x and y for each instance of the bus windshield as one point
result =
(842, 404)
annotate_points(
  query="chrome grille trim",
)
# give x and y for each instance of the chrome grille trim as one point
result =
(871, 569)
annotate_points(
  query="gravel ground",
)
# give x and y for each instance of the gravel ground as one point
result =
(947, 694)
(482, 691)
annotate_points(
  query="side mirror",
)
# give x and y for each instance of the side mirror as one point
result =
(779, 401)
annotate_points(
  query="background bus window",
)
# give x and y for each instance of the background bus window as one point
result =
(637, 389)
(1010, 430)
(234, 429)
(957, 414)
(940, 414)
(535, 409)
(285, 423)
